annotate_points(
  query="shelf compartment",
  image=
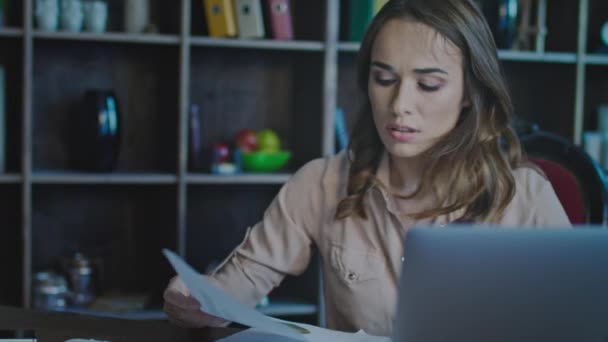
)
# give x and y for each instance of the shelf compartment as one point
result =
(262, 44)
(112, 37)
(67, 177)
(11, 248)
(306, 20)
(125, 228)
(596, 85)
(534, 101)
(11, 58)
(144, 79)
(244, 178)
(218, 217)
(281, 91)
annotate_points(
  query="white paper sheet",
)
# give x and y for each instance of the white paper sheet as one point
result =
(316, 335)
(217, 303)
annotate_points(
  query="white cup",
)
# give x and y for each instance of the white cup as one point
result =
(96, 16)
(592, 142)
(47, 15)
(72, 15)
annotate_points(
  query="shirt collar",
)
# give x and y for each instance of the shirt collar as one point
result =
(383, 175)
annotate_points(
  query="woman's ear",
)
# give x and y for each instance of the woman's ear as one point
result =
(465, 102)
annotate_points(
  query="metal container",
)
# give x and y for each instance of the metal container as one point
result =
(80, 272)
(50, 291)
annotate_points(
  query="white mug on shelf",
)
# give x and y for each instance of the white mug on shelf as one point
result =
(96, 16)
(137, 15)
(592, 142)
(47, 15)
(72, 15)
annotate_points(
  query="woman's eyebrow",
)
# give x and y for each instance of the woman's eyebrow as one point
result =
(383, 66)
(423, 71)
(430, 71)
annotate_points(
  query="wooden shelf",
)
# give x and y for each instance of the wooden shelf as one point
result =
(8, 178)
(263, 44)
(11, 32)
(115, 37)
(596, 59)
(60, 177)
(530, 56)
(506, 55)
(278, 308)
(348, 46)
(252, 178)
(288, 308)
(134, 315)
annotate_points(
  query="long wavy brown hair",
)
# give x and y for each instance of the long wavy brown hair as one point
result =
(471, 167)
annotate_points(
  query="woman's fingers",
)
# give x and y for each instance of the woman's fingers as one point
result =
(185, 311)
(178, 295)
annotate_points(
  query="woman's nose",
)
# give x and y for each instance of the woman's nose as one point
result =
(403, 101)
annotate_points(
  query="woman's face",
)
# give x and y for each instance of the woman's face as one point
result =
(416, 86)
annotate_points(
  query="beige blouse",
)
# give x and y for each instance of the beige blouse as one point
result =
(361, 259)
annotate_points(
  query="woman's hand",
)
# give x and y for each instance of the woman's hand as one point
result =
(185, 311)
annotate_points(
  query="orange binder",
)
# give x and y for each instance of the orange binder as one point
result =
(220, 18)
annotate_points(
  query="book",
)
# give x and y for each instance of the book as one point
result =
(279, 18)
(378, 4)
(341, 130)
(220, 18)
(361, 13)
(249, 18)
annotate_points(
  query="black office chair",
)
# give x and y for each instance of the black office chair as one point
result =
(579, 182)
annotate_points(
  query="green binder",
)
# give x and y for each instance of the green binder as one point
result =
(361, 13)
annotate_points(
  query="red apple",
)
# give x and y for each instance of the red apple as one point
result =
(246, 140)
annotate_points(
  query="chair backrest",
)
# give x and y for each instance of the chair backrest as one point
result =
(567, 188)
(577, 179)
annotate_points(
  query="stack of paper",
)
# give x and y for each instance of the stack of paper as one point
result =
(263, 328)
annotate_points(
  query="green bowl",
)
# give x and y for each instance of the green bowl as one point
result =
(265, 161)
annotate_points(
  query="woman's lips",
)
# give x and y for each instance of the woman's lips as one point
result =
(402, 133)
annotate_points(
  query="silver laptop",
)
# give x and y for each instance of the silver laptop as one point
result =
(496, 284)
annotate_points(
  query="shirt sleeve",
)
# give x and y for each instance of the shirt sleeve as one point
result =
(279, 245)
(548, 209)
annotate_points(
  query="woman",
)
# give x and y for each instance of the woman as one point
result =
(432, 146)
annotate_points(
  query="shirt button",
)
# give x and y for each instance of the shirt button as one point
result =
(402, 259)
(351, 276)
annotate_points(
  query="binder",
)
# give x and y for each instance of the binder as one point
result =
(279, 13)
(361, 13)
(249, 18)
(220, 18)
(341, 130)
(378, 4)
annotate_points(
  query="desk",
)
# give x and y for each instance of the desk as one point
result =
(58, 327)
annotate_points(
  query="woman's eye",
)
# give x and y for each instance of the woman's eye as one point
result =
(429, 88)
(384, 81)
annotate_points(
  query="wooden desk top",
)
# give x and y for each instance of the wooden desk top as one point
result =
(58, 327)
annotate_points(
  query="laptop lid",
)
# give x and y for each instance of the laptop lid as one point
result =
(489, 284)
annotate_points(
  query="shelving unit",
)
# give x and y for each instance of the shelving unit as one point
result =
(11, 32)
(160, 39)
(154, 199)
(103, 178)
(263, 44)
